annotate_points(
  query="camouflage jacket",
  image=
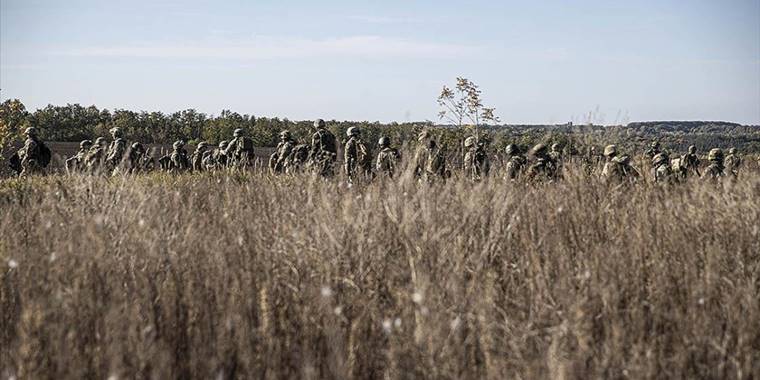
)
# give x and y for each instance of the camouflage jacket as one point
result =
(476, 163)
(323, 146)
(196, 159)
(732, 163)
(356, 155)
(543, 168)
(179, 160)
(95, 157)
(279, 160)
(387, 160)
(663, 173)
(714, 171)
(514, 167)
(116, 152)
(430, 162)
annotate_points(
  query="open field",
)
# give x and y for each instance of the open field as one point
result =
(251, 276)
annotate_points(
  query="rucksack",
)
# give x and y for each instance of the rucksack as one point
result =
(245, 144)
(15, 163)
(327, 140)
(45, 155)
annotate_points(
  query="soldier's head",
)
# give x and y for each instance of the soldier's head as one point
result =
(469, 142)
(178, 144)
(202, 146)
(655, 145)
(512, 150)
(31, 132)
(659, 159)
(539, 150)
(732, 151)
(137, 147)
(715, 155)
(85, 144)
(223, 144)
(692, 149)
(238, 132)
(424, 135)
(384, 142)
(100, 141)
(610, 151)
(115, 132)
(285, 135)
(319, 124)
(353, 131)
(624, 159)
(555, 147)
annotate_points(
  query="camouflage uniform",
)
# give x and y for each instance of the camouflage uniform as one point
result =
(716, 169)
(732, 162)
(138, 160)
(299, 158)
(661, 169)
(279, 160)
(116, 150)
(689, 163)
(357, 158)
(515, 162)
(430, 160)
(96, 156)
(324, 150)
(178, 157)
(239, 151)
(77, 161)
(196, 159)
(542, 167)
(652, 150)
(217, 159)
(387, 159)
(475, 160)
(617, 169)
(34, 155)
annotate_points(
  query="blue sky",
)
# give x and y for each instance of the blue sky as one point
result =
(536, 61)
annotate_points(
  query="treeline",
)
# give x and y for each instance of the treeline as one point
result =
(74, 122)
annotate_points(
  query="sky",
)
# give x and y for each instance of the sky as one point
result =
(604, 61)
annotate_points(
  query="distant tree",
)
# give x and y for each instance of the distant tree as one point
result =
(13, 118)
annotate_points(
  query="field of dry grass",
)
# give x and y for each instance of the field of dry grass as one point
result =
(231, 276)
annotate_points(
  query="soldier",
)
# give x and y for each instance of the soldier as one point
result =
(689, 163)
(34, 155)
(475, 160)
(217, 159)
(76, 162)
(661, 169)
(116, 150)
(652, 150)
(96, 155)
(515, 162)
(542, 168)
(617, 169)
(196, 159)
(387, 159)
(239, 151)
(324, 150)
(556, 153)
(138, 160)
(299, 157)
(279, 160)
(430, 160)
(715, 170)
(357, 158)
(732, 162)
(178, 157)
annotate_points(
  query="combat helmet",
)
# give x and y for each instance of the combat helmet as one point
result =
(715, 155)
(85, 144)
(732, 151)
(115, 132)
(319, 123)
(238, 132)
(512, 149)
(538, 150)
(100, 141)
(178, 144)
(384, 142)
(223, 144)
(31, 131)
(469, 142)
(285, 135)
(202, 145)
(692, 149)
(353, 131)
(610, 151)
(659, 159)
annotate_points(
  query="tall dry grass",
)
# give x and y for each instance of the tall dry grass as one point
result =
(232, 276)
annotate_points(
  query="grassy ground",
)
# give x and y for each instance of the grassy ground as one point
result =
(231, 276)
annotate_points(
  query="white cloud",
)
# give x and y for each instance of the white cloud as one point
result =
(385, 20)
(270, 47)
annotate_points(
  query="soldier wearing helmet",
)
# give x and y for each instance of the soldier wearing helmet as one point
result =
(515, 162)
(278, 161)
(617, 168)
(239, 150)
(542, 167)
(138, 159)
(96, 155)
(178, 158)
(652, 150)
(429, 158)
(661, 169)
(217, 159)
(76, 162)
(116, 149)
(33, 156)
(388, 158)
(732, 162)
(324, 149)
(196, 159)
(689, 163)
(715, 170)
(475, 162)
(356, 155)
